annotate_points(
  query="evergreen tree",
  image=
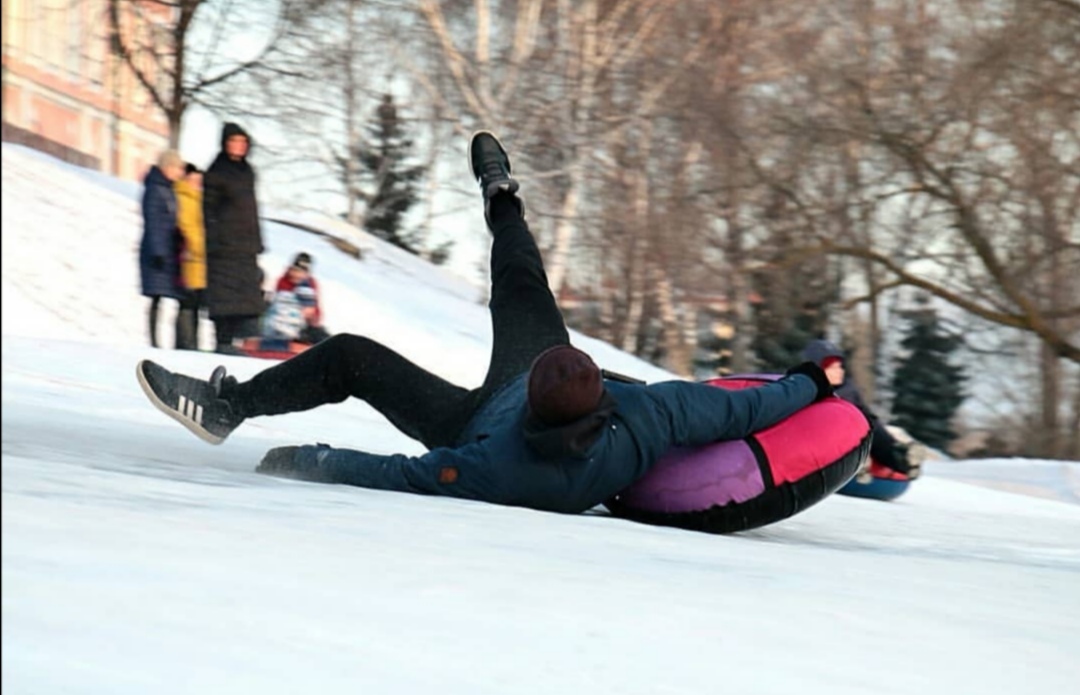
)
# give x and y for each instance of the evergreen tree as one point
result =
(927, 388)
(790, 311)
(390, 181)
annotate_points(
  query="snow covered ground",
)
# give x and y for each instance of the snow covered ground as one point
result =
(138, 559)
(1054, 480)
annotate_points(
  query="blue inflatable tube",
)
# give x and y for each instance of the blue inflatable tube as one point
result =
(875, 488)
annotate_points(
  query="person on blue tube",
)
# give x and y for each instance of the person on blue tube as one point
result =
(884, 447)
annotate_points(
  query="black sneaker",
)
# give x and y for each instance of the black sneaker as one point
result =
(195, 404)
(490, 166)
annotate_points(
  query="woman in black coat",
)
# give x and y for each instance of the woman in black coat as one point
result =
(234, 293)
(159, 252)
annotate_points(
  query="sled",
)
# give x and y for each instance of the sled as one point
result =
(877, 483)
(271, 348)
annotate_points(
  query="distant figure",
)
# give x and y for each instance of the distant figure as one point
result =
(189, 219)
(159, 252)
(233, 242)
(294, 312)
(885, 449)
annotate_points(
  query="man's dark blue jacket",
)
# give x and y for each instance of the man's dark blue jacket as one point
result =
(495, 463)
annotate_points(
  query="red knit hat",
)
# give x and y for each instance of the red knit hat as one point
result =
(564, 385)
(830, 361)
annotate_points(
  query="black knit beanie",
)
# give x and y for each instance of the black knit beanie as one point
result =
(564, 385)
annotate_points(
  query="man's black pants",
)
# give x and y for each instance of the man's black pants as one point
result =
(525, 322)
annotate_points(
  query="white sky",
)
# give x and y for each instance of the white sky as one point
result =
(138, 559)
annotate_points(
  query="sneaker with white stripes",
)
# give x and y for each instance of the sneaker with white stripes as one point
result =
(194, 403)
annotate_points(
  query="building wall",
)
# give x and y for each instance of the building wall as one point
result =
(63, 88)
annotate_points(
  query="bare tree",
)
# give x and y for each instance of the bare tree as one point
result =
(676, 149)
(333, 88)
(549, 69)
(156, 39)
(966, 181)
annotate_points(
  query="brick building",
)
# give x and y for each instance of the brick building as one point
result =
(67, 93)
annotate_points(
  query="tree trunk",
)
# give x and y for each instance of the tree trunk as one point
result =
(738, 287)
(431, 167)
(743, 323)
(1049, 401)
(350, 88)
(1073, 451)
(564, 233)
(175, 123)
(638, 272)
(676, 348)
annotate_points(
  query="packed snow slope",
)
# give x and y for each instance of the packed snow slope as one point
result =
(137, 559)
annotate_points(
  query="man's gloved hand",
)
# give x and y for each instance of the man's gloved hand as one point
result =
(824, 388)
(913, 455)
(897, 459)
(278, 460)
(907, 459)
(157, 263)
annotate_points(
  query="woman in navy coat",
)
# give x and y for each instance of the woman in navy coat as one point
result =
(159, 252)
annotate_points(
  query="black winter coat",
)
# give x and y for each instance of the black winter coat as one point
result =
(233, 237)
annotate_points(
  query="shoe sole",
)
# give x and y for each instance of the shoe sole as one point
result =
(472, 170)
(191, 426)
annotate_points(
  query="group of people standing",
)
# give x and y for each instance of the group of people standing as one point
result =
(201, 242)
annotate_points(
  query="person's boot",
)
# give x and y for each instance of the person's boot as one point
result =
(196, 404)
(152, 317)
(490, 166)
(186, 326)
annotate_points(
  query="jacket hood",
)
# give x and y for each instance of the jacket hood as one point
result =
(230, 129)
(572, 439)
(156, 177)
(817, 350)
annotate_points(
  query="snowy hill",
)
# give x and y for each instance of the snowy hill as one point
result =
(138, 559)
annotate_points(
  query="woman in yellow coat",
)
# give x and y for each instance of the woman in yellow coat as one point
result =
(189, 218)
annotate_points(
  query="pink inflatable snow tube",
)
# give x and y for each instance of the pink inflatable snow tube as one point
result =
(771, 475)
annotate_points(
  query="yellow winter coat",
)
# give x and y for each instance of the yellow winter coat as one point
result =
(189, 217)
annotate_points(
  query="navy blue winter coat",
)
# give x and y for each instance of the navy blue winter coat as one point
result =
(159, 252)
(493, 462)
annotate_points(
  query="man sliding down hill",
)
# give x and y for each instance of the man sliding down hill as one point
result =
(547, 429)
